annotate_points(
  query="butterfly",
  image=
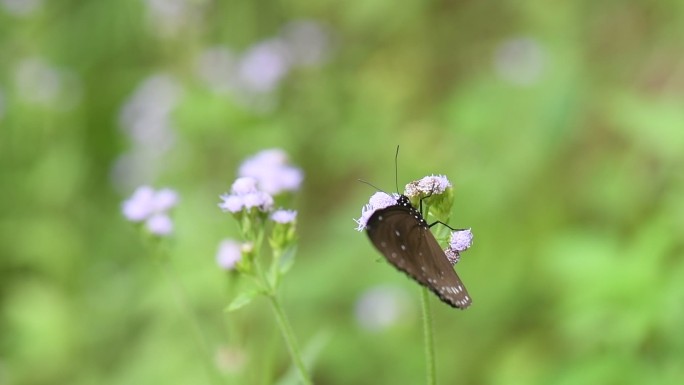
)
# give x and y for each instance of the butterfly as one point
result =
(401, 234)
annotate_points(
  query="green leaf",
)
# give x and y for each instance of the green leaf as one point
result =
(242, 300)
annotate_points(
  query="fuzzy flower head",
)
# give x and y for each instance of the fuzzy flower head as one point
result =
(437, 189)
(284, 216)
(244, 195)
(229, 254)
(152, 207)
(461, 240)
(377, 201)
(427, 186)
(272, 171)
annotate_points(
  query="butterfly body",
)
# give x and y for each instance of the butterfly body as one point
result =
(403, 236)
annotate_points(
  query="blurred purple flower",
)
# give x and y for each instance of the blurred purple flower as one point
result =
(284, 216)
(151, 206)
(21, 8)
(272, 171)
(159, 224)
(520, 60)
(263, 66)
(146, 118)
(433, 184)
(377, 201)
(172, 17)
(229, 254)
(307, 42)
(40, 83)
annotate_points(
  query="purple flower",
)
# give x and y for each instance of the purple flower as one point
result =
(307, 41)
(263, 66)
(461, 240)
(244, 195)
(377, 201)
(284, 216)
(159, 224)
(229, 254)
(272, 172)
(151, 206)
(429, 185)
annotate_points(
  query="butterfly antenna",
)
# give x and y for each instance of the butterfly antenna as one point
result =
(372, 185)
(396, 170)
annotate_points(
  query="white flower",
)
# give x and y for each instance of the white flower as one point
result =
(229, 254)
(151, 206)
(377, 201)
(159, 224)
(232, 203)
(259, 199)
(272, 172)
(461, 240)
(244, 185)
(429, 185)
(245, 195)
(284, 216)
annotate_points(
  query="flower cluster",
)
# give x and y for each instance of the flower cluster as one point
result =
(244, 195)
(152, 207)
(260, 69)
(271, 170)
(251, 200)
(460, 241)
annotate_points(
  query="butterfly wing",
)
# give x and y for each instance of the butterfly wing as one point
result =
(396, 232)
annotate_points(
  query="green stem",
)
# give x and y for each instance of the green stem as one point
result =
(182, 299)
(288, 336)
(427, 335)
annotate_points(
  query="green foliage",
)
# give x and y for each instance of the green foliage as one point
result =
(572, 184)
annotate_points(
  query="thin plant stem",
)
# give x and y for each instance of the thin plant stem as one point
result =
(182, 299)
(427, 335)
(290, 341)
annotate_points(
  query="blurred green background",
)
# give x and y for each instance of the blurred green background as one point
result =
(560, 124)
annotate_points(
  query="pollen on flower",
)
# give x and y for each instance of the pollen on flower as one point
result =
(461, 240)
(429, 185)
(284, 216)
(452, 255)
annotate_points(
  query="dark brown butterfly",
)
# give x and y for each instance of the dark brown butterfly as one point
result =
(401, 234)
